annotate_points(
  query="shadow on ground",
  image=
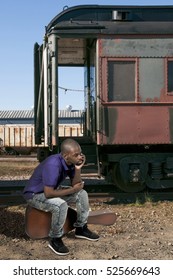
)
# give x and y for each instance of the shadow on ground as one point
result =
(12, 224)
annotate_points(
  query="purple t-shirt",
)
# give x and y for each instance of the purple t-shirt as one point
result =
(51, 172)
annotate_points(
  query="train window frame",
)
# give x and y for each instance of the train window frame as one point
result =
(167, 75)
(105, 83)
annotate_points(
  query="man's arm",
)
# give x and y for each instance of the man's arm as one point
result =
(50, 192)
(77, 176)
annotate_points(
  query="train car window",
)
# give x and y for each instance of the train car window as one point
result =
(151, 73)
(121, 81)
(169, 77)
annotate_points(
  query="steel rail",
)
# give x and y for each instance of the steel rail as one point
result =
(11, 194)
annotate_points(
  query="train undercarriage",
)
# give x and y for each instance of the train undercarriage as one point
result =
(134, 172)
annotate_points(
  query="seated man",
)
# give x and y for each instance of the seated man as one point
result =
(44, 191)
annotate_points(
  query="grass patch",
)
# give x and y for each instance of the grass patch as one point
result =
(142, 200)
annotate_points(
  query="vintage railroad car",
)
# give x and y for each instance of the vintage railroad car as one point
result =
(127, 56)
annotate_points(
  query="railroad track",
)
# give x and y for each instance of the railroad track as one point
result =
(18, 158)
(98, 190)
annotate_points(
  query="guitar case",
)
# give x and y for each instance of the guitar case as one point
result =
(38, 222)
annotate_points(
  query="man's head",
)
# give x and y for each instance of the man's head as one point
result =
(71, 152)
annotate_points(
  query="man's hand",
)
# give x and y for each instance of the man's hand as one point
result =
(79, 186)
(79, 166)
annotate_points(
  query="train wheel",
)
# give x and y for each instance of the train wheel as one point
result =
(126, 187)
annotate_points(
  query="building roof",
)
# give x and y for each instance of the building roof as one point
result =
(16, 114)
(29, 114)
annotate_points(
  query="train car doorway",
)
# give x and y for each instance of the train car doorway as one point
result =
(77, 80)
(71, 101)
(71, 88)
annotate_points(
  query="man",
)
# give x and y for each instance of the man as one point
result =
(44, 192)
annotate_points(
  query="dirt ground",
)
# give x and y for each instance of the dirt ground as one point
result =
(141, 231)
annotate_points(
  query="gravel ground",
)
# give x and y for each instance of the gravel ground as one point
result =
(142, 231)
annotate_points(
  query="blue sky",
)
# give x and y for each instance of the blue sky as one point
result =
(22, 24)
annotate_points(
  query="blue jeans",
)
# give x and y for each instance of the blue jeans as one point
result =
(58, 206)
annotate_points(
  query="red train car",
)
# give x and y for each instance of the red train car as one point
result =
(127, 56)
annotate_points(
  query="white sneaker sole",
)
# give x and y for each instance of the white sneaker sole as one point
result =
(84, 237)
(58, 253)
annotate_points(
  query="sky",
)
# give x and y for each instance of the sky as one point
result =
(22, 23)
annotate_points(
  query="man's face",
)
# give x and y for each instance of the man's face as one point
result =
(75, 156)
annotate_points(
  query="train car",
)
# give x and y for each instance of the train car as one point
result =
(127, 56)
(17, 130)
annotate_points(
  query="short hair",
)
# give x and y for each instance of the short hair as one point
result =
(69, 144)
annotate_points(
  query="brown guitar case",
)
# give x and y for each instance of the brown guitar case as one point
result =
(37, 222)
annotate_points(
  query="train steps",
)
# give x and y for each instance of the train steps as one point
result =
(91, 164)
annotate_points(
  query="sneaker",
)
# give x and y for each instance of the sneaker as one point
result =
(58, 247)
(85, 233)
